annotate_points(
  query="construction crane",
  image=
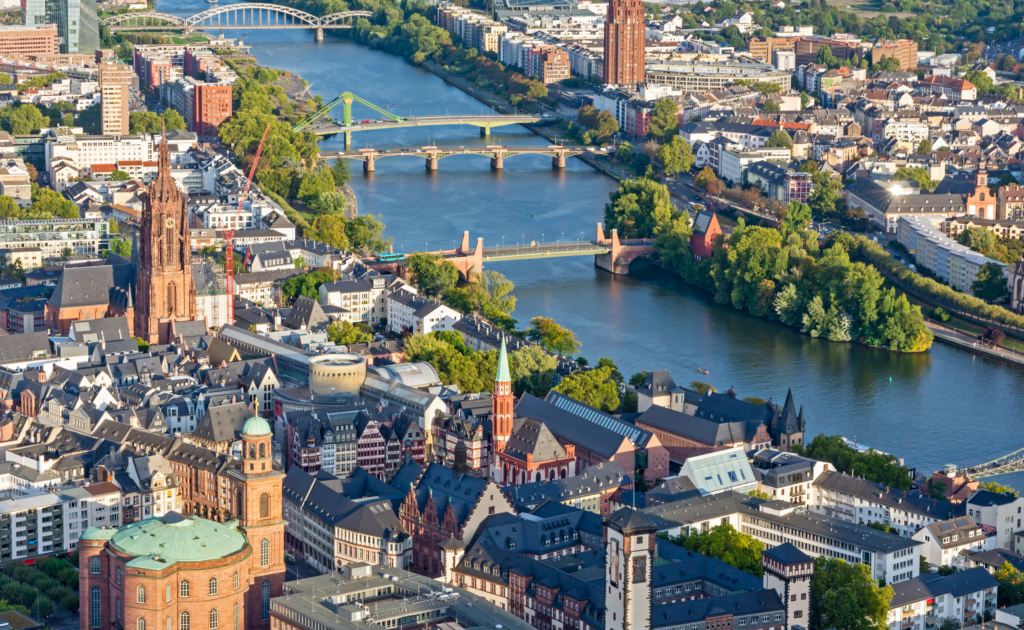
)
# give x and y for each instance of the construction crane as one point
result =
(229, 234)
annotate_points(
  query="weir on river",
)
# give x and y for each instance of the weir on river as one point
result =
(648, 319)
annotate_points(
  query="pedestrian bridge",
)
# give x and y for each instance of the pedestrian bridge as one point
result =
(432, 154)
(250, 16)
(610, 253)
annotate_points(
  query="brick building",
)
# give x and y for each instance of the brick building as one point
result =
(902, 50)
(28, 40)
(625, 38)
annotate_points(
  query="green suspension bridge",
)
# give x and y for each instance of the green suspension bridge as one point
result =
(319, 123)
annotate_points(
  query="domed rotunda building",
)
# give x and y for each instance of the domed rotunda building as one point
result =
(181, 572)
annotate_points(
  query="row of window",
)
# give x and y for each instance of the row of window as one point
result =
(184, 618)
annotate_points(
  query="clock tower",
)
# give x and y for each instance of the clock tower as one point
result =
(166, 291)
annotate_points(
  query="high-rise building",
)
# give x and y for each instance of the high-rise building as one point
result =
(115, 86)
(624, 40)
(78, 28)
(166, 289)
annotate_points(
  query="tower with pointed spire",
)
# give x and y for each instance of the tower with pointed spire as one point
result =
(788, 426)
(166, 290)
(502, 403)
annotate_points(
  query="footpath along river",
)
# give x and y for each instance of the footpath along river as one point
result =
(943, 406)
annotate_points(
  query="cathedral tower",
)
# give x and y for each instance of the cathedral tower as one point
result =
(166, 291)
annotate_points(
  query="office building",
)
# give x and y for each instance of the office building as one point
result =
(695, 72)
(204, 106)
(52, 236)
(624, 43)
(115, 88)
(78, 29)
(29, 40)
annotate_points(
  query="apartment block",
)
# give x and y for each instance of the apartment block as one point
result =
(52, 236)
(115, 87)
(82, 151)
(203, 105)
(902, 50)
(947, 259)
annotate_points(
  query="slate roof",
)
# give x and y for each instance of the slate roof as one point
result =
(532, 437)
(787, 553)
(993, 559)
(929, 586)
(24, 346)
(987, 498)
(682, 565)
(704, 430)
(658, 382)
(460, 491)
(962, 527)
(306, 312)
(593, 480)
(628, 519)
(223, 423)
(738, 605)
(728, 408)
(90, 286)
(878, 493)
(541, 536)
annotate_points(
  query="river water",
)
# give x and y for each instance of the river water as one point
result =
(943, 406)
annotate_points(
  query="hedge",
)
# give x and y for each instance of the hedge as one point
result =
(959, 301)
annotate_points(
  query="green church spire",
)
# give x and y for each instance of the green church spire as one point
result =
(503, 374)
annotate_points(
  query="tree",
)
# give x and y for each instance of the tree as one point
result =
(982, 81)
(330, 202)
(616, 375)
(638, 209)
(664, 124)
(923, 566)
(925, 147)
(497, 291)
(979, 239)
(9, 208)
(705, 176)
(533, 370)
(872, 465)
(624, 153)
(340, 172)
(675, 156)
(992, 486)
(797, 219)
(68, 120)
(23, 119)
(431, 273)
(757, 494)
(5, 79)
(946, 569)
(51, 202)
(1011, 585)
(771, 106)
(316, 181)
(366, 234)
(328, 229)
(805, 100)
(882, 527)
(990, 283)
(728, 545)
(173, 120)
(949, 623)
(119, 176)
(307, 284)
(121, 246)
(553, 337)
(917, 174)
(345, 334)
(638, 379)
(993, 336)
(847, 596)
(592, 387)
(780, 138)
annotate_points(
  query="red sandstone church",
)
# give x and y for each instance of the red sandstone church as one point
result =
(153, 294)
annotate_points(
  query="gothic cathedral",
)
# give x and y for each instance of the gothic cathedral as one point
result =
(166, 291)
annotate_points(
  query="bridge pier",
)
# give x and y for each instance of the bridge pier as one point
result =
(497, 163)
(348, 140)
(368, 166)
(558, 161)
(319, 36)
(431, 163)
(485, 132)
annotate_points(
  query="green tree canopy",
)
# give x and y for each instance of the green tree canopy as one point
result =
(592, 387)
(345, 334)
(925, 147)
(917, 174)
(990, 283)
(847, 596)
(638, 209)
(552, 336)
(675, 156)
(664, 124)
(728, 545)
(872, 465)
(780, 138)
(431, 273)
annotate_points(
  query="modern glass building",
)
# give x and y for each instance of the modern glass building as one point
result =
(77, 22)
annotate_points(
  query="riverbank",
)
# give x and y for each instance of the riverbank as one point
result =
(962, 340)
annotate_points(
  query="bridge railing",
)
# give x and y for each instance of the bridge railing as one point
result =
(546, 247)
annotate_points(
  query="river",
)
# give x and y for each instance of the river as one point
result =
(919, 407)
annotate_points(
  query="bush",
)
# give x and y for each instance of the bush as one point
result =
(941, 314)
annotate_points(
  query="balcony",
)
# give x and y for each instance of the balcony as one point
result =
(908, 622)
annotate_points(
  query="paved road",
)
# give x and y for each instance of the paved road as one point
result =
(970, 342)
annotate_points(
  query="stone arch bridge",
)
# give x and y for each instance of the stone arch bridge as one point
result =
(432, 154)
